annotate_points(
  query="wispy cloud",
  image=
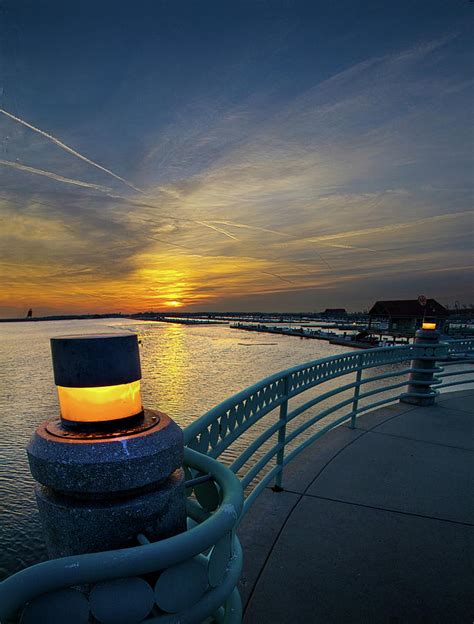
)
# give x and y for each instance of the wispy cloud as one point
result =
(68, 149)
(283, 279)
(334, 188)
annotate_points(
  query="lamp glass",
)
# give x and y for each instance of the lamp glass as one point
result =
(100, 404)
(427, 325)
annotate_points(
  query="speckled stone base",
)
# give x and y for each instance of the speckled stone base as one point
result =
(97, 492)
(421, 400)
(75, 526)
(110, 464)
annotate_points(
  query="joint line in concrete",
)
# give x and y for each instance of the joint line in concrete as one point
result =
(387, 509)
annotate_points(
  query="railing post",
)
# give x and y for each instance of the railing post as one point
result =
(282, 437)
(355, 402)
(423, 367)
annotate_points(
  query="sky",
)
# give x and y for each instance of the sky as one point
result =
(234, 155)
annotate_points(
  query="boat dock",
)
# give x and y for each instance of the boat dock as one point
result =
(306, 332)
(183, 321)
(375, 524)
(301, 331)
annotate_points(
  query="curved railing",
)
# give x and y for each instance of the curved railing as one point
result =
(204, 563)
(265, 455)
(461, 355)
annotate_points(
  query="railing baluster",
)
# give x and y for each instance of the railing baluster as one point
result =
(355, 402)
(282, 437)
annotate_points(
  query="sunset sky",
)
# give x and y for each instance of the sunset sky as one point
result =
(234, 155)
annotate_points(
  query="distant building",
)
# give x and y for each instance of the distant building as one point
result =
(334, 313)
(406, 315)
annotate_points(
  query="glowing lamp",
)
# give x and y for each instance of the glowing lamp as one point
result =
(428, 325)
(97, 377)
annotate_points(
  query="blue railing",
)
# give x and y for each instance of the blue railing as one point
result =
(207, 554)
(215, 432)
(205, 561)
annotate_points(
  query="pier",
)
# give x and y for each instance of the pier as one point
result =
(184, 321)
(301, 332)
(351, 501)
(373, 525)
(305, 331)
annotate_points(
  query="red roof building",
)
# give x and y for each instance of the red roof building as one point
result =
(407, 315)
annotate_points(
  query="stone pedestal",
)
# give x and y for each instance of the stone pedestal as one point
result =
(421, 379)
(98, 490)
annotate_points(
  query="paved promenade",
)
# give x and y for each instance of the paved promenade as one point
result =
(375, 524)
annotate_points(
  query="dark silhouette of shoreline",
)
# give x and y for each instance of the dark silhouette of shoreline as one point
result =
(62, 317)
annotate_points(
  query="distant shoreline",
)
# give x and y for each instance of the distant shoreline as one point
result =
(75, 317)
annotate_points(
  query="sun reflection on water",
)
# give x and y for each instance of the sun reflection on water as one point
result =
(169, 357)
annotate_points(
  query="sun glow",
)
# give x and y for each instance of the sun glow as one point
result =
(173, 304)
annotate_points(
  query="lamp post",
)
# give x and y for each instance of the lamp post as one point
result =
(423, 367)
(106, 469)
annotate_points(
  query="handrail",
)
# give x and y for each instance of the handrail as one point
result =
(249, 405)
(88, 568)
(223, 425)
(371, 357)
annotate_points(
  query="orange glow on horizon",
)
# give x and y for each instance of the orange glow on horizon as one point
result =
(100, 404)
(153, 285)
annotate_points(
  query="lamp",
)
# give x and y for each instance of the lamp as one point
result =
(428, 325)
(97, 378)
(107, 469)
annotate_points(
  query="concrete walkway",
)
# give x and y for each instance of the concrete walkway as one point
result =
(375, 524)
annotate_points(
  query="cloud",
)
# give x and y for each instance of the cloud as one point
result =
(331, 187)
(68, 149)
(54, 176)
(391, 227)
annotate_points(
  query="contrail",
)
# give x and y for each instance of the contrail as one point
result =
(68, 149)
(350, 247)
(285, 234)
(162, 240)
(205, 224)
(175, 218)
(278, 277)
(54, 176)
(390, 227)
(216, 229)
(108, 191)
(252, 227)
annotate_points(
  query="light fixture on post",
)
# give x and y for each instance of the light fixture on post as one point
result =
(97, 378)
(107, 469)
(428, 350)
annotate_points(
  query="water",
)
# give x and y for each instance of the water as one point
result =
(186, 371)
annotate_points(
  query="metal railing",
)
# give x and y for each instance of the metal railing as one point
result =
(460, 354)
(222, 426)
(209, 553)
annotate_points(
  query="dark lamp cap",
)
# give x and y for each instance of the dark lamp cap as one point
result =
(91, 361)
